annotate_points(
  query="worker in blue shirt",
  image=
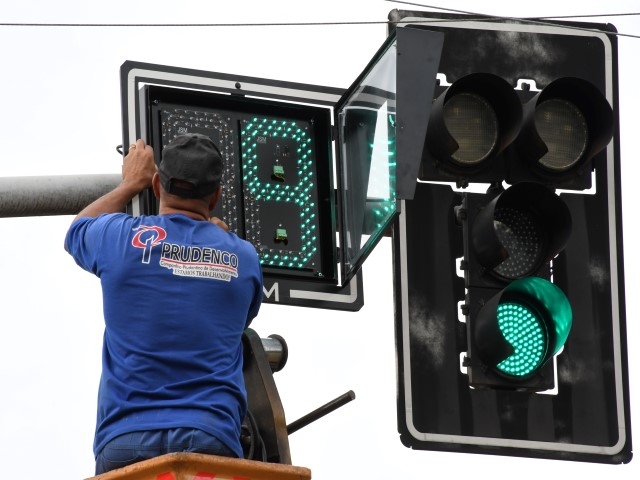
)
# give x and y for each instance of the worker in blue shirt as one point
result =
(178, 292)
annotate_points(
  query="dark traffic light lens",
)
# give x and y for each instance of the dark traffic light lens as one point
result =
(526, 333)
(563, 128)
(518, 231)
(473, 124)
(520, 235)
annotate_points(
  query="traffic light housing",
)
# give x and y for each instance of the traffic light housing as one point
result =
(508, 260)
(482, 130)
(566, 125)
(517, 320)
(472, 122)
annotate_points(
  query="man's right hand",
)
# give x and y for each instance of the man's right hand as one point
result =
(138, 167)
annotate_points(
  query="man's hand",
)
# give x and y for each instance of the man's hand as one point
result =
(220, 223)
(138, 167)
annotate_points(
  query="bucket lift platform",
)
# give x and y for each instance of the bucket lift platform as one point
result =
(198, 466)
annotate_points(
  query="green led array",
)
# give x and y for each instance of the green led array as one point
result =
(261, 129)
(525, 332)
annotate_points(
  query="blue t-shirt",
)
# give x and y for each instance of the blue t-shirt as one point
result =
(177, 295)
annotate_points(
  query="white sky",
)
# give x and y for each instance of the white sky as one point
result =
(60, 99)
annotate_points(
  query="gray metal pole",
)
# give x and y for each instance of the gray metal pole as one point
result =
(54, 195)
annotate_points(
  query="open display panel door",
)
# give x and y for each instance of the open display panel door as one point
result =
(382, 123)
(278, 141)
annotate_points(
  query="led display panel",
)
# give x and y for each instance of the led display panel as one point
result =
(277, 176)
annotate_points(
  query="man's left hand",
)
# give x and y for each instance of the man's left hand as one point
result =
(138, 169)
(219, 223)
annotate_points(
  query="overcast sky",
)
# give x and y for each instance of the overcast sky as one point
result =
(60, 104)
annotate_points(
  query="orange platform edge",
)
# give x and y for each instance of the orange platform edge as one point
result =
(197, 466)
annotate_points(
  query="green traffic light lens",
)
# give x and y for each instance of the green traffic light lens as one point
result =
(525, 331)
(473, 124)
(534, 317)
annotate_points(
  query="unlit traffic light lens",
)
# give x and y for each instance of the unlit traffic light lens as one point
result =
(519, 231)
(472, 123)
(521, 236)
(563, 128)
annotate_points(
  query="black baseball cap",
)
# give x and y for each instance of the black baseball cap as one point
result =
(191, 158)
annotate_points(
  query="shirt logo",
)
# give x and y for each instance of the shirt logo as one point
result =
(147, 238)
(186, 261)
(203, 262)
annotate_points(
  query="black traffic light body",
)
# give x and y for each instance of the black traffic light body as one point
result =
(508, 260)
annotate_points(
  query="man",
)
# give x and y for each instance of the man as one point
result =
(178, 292)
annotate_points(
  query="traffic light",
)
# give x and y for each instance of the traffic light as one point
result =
(517, 319)
(508, 260)
(483, 130)
(565, 126)
(471, 123)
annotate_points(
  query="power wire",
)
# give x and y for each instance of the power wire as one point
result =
(272, 24)
(484, 17)
(547, 17)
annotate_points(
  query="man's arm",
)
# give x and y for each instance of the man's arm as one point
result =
(137, 171)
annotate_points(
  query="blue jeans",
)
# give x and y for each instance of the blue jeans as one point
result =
(137, 446)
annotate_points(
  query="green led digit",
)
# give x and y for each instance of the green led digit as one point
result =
(289, 179)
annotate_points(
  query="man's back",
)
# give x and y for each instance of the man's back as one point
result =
(178, 293)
